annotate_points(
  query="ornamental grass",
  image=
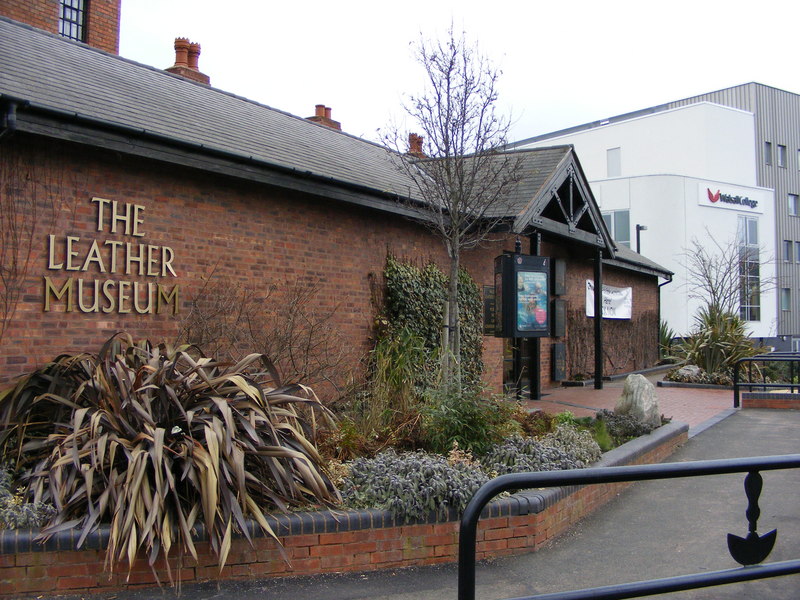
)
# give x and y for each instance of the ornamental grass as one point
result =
(154, 441)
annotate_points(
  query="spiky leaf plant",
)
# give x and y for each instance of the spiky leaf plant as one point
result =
(156, 441)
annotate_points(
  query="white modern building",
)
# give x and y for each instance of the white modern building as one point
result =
(673, 176)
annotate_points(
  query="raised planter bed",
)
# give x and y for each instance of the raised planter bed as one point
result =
(325, 542)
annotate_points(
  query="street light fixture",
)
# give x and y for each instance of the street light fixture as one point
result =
(639, 228)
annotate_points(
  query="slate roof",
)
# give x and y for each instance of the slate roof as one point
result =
(48, 73)
(58, 74)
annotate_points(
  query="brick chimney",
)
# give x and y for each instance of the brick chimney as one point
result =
(187, 57)
(322, 115)
(415, 145)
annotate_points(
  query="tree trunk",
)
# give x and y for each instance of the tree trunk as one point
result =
(453, 325)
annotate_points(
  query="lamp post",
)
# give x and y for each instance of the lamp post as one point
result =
(639, 229)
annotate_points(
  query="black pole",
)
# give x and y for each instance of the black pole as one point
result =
(598, 320)
(516, 343)
(536, 351)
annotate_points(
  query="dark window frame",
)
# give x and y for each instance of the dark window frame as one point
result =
(72, 19)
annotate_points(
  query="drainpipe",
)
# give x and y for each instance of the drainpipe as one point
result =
(9, 121)
(658, 341)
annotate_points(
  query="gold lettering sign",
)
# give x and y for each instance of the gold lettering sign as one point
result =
(127, 258)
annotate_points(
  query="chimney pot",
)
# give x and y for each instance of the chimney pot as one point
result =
(181, 52)
(187, 56)
(322, 115)
(415, 145)
(194, 56)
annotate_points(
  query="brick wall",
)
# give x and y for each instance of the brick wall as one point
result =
(775, 400)
(102, 19)
(320, 543)
(209, 227)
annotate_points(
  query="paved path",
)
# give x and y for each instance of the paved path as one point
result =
(697, 407)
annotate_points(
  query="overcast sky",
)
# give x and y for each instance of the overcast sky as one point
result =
(563, 63)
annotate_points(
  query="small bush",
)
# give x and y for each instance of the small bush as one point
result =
(411, 485)
(519, 455)
(699, 376)
(15, 512)
(623, 428)
(602, 436)
(473, 422)
(577, 442)
(536, 423)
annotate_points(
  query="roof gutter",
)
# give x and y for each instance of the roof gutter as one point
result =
(9, 121)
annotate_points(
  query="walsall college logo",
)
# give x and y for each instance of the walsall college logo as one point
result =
(728, 199)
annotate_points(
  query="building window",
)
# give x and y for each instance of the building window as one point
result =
(72, 19)
(788, 247)
(797, 252)
(618, 223)
(613, 162)
(767, 153)
(749, 270)
(782, 156)
(795, 344)
(786, 299)
(793, 204)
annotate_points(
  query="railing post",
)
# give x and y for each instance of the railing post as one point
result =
(736, 384)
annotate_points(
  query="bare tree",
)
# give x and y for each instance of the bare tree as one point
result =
(725, 275)
(463, 180)
(229, 319)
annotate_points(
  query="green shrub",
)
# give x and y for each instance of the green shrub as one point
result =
(565, 418)
(578, 443)
(15, 512)
(717, 342)
(468, 419)
(623, 428)
(155, 440)
(602, 436)
(518, 454)
(411, 485)
(535, 423)
(680, 375)
(399, 364)
(666, 337)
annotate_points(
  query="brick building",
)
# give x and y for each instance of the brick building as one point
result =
(130, 188)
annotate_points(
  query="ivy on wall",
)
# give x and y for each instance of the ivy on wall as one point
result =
(415, 299)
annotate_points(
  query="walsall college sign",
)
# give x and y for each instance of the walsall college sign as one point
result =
(728, 197)
(118, 261)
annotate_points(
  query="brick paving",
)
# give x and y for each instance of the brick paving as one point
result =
(693, 406)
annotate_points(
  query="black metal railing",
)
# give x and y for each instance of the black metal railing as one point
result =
(752, 383)
(748, 551)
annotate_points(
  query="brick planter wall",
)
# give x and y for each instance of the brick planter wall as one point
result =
(324, 542)
(770, 400)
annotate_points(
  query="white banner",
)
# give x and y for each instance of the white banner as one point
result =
(617, 302)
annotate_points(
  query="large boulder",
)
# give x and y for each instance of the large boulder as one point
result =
(639, 400)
